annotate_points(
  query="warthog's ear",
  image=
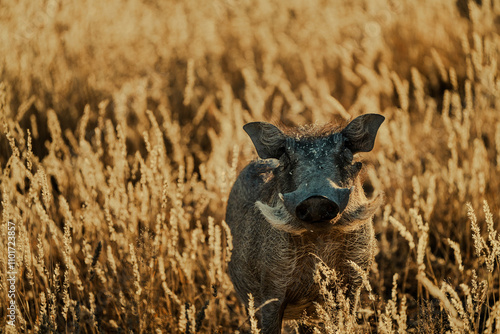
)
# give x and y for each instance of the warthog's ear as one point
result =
(361, 132)
(268, 140)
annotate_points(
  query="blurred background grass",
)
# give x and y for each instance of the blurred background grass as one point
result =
(134, 111)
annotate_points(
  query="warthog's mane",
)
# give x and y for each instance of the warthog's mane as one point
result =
(312, 131)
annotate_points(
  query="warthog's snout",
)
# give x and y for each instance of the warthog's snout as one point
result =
(317, 209)
(317, 206)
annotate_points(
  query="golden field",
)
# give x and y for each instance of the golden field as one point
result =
(121, 135)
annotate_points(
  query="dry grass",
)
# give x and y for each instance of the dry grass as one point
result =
(121, 137)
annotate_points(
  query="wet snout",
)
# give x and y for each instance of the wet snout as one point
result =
(317, 209)
(317, 206)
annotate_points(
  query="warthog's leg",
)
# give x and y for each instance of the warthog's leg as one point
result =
(272, 317)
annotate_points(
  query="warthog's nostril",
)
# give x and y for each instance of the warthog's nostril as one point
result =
(330, 210)
(302, 212)
(317, 209)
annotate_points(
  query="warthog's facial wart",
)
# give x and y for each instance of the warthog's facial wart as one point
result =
(279, 217)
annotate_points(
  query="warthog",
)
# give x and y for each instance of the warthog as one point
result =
(301, 202)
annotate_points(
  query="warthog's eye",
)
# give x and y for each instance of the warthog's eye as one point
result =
(357, 166)
(347, 156)
(354, 169)
(289, 156)
(350, 172)
(285, 160)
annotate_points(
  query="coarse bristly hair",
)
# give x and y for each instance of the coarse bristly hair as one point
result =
(313, 131)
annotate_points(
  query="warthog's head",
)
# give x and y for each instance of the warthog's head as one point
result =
(316, 180)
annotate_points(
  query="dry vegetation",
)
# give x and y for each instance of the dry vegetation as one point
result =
(121, 135)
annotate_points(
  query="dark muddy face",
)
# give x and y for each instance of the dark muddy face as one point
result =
(315, 178)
